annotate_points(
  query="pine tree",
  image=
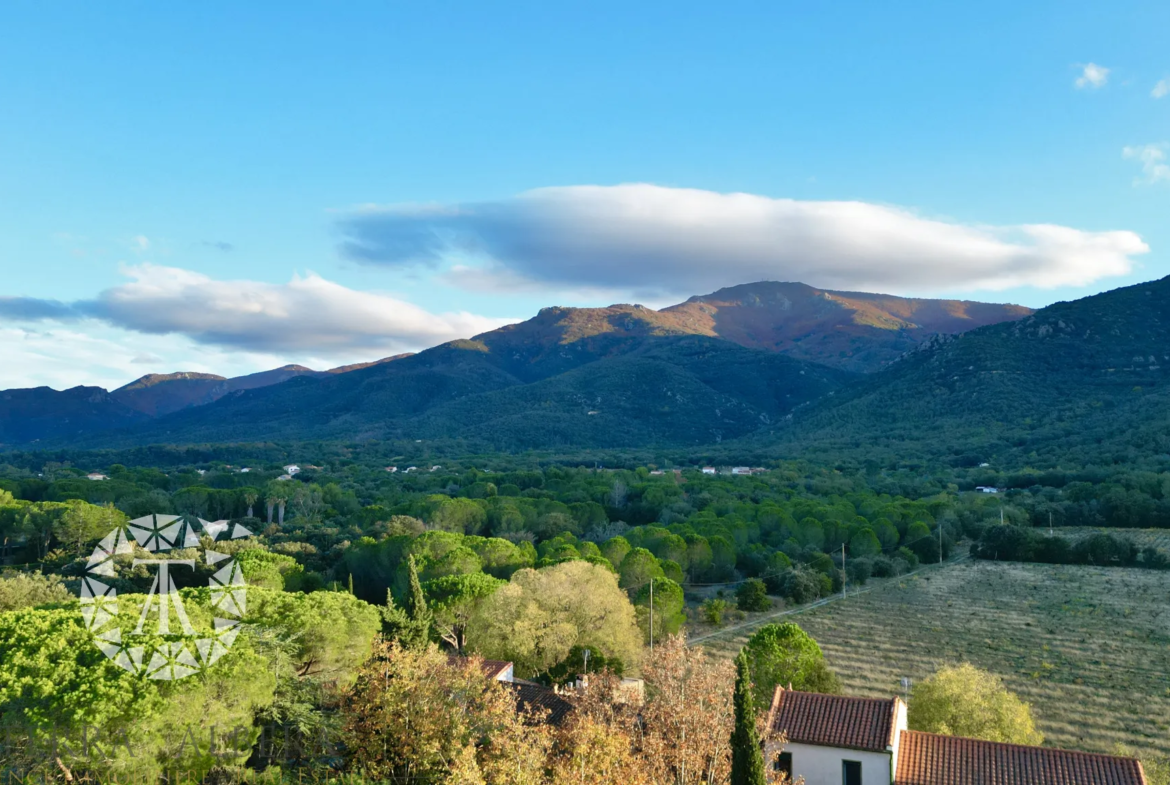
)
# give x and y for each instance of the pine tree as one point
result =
(747, 759)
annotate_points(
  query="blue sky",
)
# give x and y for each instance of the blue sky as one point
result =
(167, 170)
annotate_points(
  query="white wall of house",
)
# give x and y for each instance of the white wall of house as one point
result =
(822, 765)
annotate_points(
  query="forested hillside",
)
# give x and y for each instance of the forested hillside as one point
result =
(1076, 383)
(607, 390)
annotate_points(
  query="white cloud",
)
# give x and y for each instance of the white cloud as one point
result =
(1153, 160)
(1161, 89)
(651, 239)
(306, 316)
(167, 319)
(140, 243)
(91, 353)
(1092, 75)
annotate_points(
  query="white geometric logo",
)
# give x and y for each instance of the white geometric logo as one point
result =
(184, 651)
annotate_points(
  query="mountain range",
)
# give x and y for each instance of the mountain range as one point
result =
(716, 367)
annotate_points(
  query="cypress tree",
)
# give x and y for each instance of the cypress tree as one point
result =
(395, 622)
(747, 759)
(416, 608)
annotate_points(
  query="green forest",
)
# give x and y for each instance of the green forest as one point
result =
(531, 561)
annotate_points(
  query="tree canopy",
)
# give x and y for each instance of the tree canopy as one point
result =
(963, 700)
(783, 654)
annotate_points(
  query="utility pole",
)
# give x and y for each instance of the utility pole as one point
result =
(651, 616)
(1050, 523)
(940, 540)
(844, 575)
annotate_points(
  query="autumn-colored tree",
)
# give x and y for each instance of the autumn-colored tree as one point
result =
(413, 713)
(687, 718)
(597, 744)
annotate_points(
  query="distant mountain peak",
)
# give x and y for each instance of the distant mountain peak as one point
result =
(151, 379)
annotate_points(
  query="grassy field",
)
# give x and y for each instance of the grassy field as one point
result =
(1088, 647)
(1159, 538)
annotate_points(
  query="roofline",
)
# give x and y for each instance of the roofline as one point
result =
(894, 723)
(772, 709)
(1025, 746)
(1140, 769)
(874, 750)
(890, 741)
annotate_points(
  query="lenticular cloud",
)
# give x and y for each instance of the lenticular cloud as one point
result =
(682, 241)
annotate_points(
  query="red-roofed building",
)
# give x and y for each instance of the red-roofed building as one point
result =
(835, 739)
(838, 740)
(930, 759)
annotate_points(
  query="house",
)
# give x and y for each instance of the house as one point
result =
(530, 696)
(245, 470)
(95, 476)
(284, 477)
(741, 471)
(986, 489)
(657, 473)
(840, 740)
(291, 469)
(392, 469)
(548, 705)
(709, 470)
(436, 468)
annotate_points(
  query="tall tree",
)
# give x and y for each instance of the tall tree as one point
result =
(781, 654)
(747, 760)
(687, 719)
(455, 599)
(538, 618)
(419, 631)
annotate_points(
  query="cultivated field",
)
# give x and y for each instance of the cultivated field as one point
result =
(1088, 647)
(1159, 538)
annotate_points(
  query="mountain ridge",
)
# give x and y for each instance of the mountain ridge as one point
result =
(828, 337)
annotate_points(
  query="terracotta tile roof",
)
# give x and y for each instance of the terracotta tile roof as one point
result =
(534, 697)
(492, 669)
(834, 720)
(930, 759)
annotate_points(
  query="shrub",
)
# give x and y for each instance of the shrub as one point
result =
(860, 570)
(885, 567)
(803, 585)
(712, 611)
(752, 595)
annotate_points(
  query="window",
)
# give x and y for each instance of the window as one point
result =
(784, 764)
(850, 772)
